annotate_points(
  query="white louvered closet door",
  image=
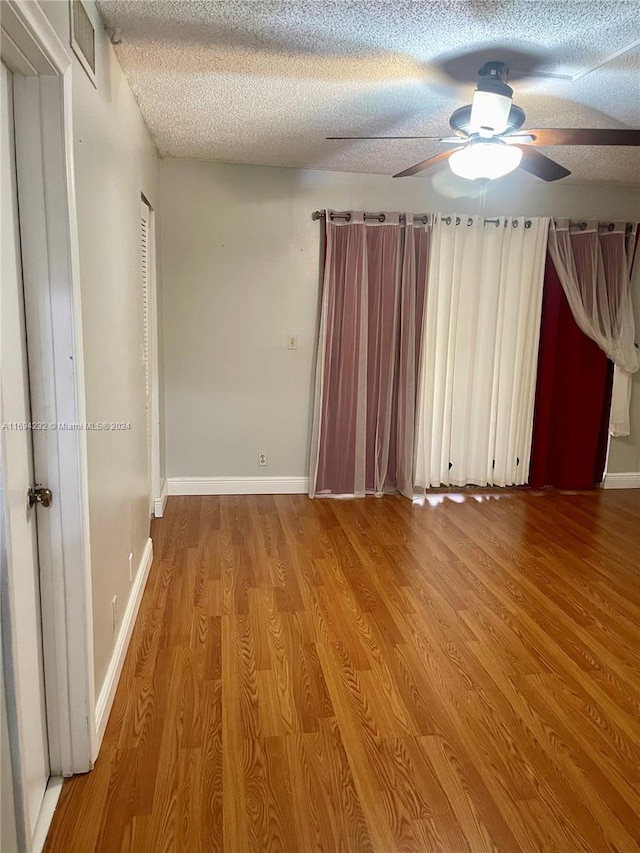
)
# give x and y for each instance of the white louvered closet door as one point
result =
(145, 260)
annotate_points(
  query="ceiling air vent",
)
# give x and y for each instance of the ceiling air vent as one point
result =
(83, 38)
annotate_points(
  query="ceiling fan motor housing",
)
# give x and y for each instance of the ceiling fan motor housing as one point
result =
(494, 86)
(460, 121)
(497, 71)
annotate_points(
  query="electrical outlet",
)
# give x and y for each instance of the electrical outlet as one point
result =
(130, 567)
(114, 612)
(262, 460)
(292, 341)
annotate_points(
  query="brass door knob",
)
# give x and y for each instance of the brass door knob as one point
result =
(39, 495)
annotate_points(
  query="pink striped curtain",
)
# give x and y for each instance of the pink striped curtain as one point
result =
(369, 344)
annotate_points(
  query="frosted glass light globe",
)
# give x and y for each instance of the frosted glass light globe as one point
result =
(485, 159)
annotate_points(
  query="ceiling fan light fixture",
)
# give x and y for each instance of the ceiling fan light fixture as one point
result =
(485, 158)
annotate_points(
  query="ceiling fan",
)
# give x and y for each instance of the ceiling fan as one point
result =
(487, 130)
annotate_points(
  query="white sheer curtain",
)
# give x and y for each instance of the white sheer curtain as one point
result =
(479, 352)
(594, 268)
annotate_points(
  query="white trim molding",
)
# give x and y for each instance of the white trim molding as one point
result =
(238, 485)
(30, 45)
(48, 807)
(108, 691)
(159, 504)
(622, 481)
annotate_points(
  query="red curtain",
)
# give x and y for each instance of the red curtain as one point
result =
(573, 398)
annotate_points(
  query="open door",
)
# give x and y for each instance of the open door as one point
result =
(23, 499)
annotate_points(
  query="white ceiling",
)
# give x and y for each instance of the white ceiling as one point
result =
(245, 81)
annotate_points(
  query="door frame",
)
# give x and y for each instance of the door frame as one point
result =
(42, 70)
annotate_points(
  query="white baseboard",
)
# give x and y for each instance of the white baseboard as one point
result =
(160, 503)
(45, 816)
(238, 485)
(108, 691)
(622, 481)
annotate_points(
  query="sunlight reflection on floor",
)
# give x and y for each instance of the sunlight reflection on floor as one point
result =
(458, 498)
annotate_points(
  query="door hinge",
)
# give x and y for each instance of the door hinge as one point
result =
(39, 495)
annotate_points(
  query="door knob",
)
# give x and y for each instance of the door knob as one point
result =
(39, 495)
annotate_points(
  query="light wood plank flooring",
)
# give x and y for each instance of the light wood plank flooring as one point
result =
(369, 675)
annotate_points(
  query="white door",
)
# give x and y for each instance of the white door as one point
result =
(27, 681)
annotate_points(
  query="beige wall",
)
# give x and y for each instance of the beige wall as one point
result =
(240, 260)
(114, 162)
(624, 453)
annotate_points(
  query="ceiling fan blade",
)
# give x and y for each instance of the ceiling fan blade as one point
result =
(425, 164)
(585, 136)
(438, 138)
(542, 167)
(518, 139)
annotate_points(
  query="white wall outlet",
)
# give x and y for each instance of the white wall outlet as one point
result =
(292, 342)
(130, 567)
(114, 612)
(262, 460)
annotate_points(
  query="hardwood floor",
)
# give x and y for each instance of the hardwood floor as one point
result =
(370, 675)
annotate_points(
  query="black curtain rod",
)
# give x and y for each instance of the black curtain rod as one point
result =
(424, 218)
(608, 225)
(379, 217)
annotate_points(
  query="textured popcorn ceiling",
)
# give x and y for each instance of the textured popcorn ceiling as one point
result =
(244, 81)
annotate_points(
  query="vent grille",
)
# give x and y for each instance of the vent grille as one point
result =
(83, 37)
